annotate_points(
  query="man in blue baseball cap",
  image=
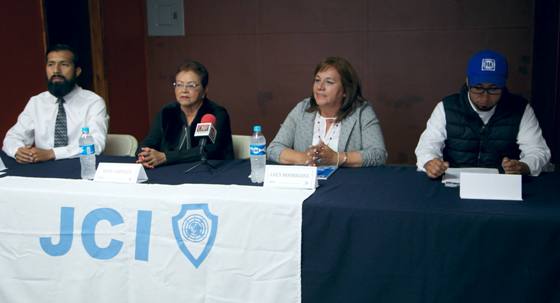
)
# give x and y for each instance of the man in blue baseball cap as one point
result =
(483, 125)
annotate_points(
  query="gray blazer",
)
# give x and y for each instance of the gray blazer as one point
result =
(360, 131)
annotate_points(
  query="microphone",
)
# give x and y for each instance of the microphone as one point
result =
(205, 129)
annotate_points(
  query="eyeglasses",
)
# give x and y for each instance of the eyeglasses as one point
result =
(479, 90)
(187, 86)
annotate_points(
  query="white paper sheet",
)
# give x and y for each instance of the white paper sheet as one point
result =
(451, 177)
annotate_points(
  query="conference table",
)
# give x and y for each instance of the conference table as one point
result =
(390, 234)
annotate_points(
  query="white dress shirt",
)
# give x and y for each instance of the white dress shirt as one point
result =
(35, 125)
(534, 151)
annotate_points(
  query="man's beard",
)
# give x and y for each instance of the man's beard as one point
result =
(61, 89)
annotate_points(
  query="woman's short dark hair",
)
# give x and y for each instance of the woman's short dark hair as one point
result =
(350, 83)
(197, 68)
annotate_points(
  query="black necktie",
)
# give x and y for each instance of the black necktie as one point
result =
(60, 128)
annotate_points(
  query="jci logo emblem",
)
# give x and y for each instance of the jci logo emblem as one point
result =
(195, 231)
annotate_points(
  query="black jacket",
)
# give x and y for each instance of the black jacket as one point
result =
(165, 134)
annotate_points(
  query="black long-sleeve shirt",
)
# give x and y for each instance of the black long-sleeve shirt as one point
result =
(168, 130)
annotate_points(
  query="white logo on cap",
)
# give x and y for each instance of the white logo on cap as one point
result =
(488, 65)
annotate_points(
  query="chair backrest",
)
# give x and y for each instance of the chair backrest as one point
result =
(120, 145)
(241, 146)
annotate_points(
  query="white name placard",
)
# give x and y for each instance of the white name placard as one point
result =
(120, 173)
(290, 176)
(490, 186)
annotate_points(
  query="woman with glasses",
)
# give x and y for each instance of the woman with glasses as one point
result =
(484, 125)
(171, 138)
(336, 126)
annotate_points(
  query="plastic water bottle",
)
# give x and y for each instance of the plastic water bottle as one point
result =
(257, 152)
(87, 154)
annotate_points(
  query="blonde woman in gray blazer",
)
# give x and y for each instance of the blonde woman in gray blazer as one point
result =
(336, 126)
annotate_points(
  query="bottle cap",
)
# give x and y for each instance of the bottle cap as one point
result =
(85, 130)
(257, 128)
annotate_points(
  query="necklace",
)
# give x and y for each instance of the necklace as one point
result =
(321, 126)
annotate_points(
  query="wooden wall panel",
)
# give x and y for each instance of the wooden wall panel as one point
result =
(261, 55)
(21, 30)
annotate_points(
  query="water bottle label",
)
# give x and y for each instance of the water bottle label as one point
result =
(87, 149)
(257, 149)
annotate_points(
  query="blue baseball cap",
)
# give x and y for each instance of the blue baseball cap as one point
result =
(487, 67)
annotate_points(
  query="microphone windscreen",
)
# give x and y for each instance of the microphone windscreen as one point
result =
(208, 118)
